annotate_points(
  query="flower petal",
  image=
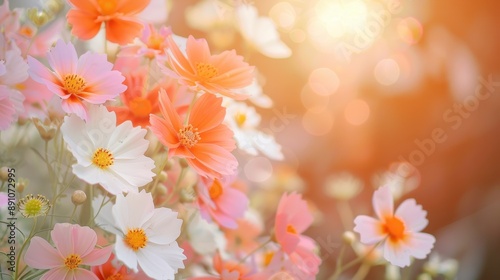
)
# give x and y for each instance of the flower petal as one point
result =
(42, 255)
(383, 202)
(412, 214)
(163, 227)
(369, 229)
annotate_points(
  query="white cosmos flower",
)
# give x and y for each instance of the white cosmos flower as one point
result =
(145, 236)
(260, 32)
(106, 154)
(243, 121)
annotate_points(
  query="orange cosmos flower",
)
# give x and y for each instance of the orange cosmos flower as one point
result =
(122, 27)
(221, 73)
(203, 140)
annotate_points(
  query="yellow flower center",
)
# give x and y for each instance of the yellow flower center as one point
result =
(215, 190)
(135, 239)
(395, 228)
(107, 6)
(206, 70)
(240, 119)
(74, 83)
(189, 136)
(140, 107)
(103, 158)
(291, 229)
(155, 42)
(33, 207)
(72, 261)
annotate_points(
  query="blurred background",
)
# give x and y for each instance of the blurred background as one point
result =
(408, 88)
(377, 92)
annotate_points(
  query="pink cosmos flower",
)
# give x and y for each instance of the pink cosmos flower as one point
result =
(221, 202)
(203, 140)
(77, 80)
(398, 231)
(233, 270)
(221, 73)
(75, 246)
(292, 219)
(153, 41)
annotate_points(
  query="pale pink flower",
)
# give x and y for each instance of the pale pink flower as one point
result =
(9, 20)
(399, 232)
(293, 217)
(221, 202)
(77, 80)
(75, 247)
(153, 43)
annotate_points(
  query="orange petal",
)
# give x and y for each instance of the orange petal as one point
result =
(122, 31)
(132, 6)
(84, 25)
(207, 113)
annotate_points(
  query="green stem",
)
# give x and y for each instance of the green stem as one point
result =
(32, 233)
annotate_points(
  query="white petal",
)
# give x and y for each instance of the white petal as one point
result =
(128, 142)
(163, 227)
(267, 145)
(383, 202)
(135, 172)
(125, 254)
(397, 254)
(133, 210)
(369, 229)
(420, 244)
(153, 262)
(81, 146)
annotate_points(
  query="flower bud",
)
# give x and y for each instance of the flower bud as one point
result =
(78, 197)
(348, 237)
(4, 173)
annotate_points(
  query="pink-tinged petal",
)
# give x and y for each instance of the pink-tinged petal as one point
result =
(81, 273)
(164, 131)
(176, 58)
(420, 244)
(74, 105)
(61, 273)
(221, 219)
(42, 255)
(369, 229)
(63, 58)
(163, 227)
(383, 202)
(63, 239)
(84, 24)
(97, 256)
(214, 88)
(122, 30)
(7, 110)
(287, 240)
(412, 214)
(84, 240)
(92, 66)
(41, 74)
(297, 211)
(207, 105)
(233, 202)
(396, 253)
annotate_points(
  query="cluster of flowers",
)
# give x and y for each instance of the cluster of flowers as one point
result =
(151, 132)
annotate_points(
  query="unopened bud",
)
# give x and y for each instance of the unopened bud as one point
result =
(163, 176)
(4, 173)
(39, 18)
(22, 184)
(47, 132)
(187, 195)
(168, 165)
(78, 197)
(424, 276)
(348, 237)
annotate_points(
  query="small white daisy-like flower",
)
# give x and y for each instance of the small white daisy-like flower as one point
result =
(32, 206)
(106, 154)
(243, 121)
(145, 236)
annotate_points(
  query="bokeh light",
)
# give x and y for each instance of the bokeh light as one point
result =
(317, 123)
(357, 112)
(410, 30)
(387, 72)
(324, 81)
(283, 13)
(258, 169)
